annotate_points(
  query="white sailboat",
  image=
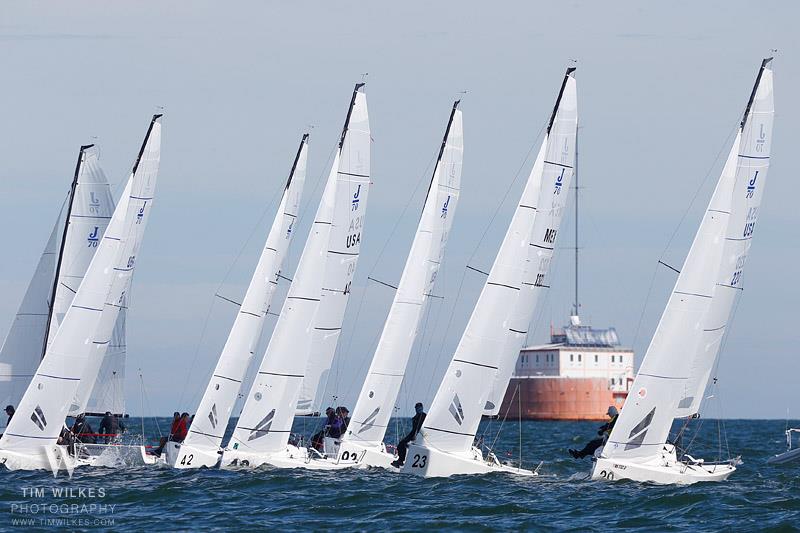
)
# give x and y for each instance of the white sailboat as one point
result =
(363, 444)
(69, 368)
(498, 325)
(312, 314)
(61, 268)
(202, 446)
(677, 366)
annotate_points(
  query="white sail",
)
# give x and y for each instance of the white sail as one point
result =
(751, 166)
(91, 209)
(557, 170)
(375, 402)
(646, 418)
(324, 273)
(22, 348)
(460, 401)
(140, 204)
(67, 256)
(342, 257)
(220, 396)
(46, 402)
(108, 393)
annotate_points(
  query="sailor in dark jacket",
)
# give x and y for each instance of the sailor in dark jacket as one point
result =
(416, 425)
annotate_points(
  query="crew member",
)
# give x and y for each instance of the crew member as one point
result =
(416, 425)
(604, 431)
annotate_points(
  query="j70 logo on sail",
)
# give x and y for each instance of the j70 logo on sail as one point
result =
(140, 214)
(94, 203)
(762, 139)
(559, 181)
(355, 198)
(444, 207)
(751, 186)
(93, 238)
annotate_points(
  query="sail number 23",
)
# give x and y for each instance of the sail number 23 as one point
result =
(420, 461)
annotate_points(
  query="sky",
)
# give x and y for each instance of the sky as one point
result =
(661, 89)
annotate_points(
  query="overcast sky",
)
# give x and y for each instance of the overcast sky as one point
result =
(660, 92)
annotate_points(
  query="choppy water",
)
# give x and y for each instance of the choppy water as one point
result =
(757, 497)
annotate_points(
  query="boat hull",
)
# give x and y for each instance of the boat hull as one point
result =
(785, 457)
(289, 457)
(664, 469)
(53, 458)
(429, 462)
(185, 457)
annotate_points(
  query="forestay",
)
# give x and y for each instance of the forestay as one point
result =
(752, 163)
(220, 396)
(45, 405)
(675, 370)
(345, 243)
(325, 271)
(375, 402)
(487, 341)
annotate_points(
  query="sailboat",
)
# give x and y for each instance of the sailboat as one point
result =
(70, 366)
(362, 444)
(312, 314)
(202, 446)
(62, 265)
(683, 352)
(498, 326)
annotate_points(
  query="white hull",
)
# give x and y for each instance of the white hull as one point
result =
(664, 469)
(184, 457)
(52, 458)
(289, 457)
(428, 462)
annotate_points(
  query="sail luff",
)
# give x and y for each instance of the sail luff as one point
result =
(223, 388)
(379, 392)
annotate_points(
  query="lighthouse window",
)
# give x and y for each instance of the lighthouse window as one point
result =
(613, 358)
(580, 357)
(596, 358)
(571, 357)
(537, 358)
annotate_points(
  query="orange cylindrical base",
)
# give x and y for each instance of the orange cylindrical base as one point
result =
(559, 399)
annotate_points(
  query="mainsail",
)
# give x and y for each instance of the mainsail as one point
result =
(489, 343)
(752, 164)
(379, 393)
(61, 268)
(215, 407)
(318, 293)
(675, 369)
(354, 164)
(80, 343)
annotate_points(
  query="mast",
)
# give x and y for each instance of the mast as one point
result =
(575, 176)
(61, 247)
(441, 149)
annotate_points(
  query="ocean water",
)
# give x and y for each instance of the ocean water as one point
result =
(758, 497)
